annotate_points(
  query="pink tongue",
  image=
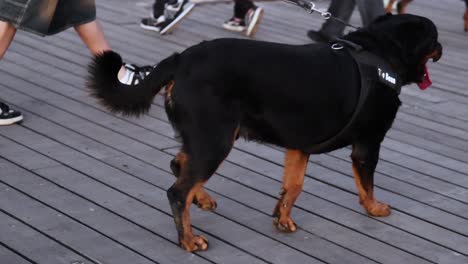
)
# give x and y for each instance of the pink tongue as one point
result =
(426, 82)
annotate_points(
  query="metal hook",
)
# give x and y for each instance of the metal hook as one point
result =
(336, 46)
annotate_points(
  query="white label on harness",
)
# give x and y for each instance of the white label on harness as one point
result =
(387, 77)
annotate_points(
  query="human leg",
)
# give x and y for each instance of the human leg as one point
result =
(93, 36)
(369, 10)
(7, 33)
(331, 28)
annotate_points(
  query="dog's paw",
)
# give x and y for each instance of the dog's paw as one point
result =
(285, 225)
(204, 201)
(377, 209)
(194, 243)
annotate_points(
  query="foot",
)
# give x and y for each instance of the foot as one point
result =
(376, 208)
(285, 224)
(234, 24)
(204, 201)
(249, 24)
(173, 15)
(282, 221)
(194, 243)
(135, 74)
(318, 36)
(252, 20)
(9, 116)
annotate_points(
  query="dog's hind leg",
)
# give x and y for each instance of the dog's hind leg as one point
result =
(205, 151)
(294, 170)
(202, 199)
(365, 158)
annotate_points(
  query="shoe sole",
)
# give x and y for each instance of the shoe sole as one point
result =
(11, 121)
(233, 29)
(155, 29)
(173, 25)
(255, 23)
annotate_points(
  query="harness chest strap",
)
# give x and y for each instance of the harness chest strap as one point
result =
(373, 70)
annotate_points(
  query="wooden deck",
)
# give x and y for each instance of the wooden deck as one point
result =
(80, 185)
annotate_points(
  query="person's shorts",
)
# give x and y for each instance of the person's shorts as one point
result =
(47, 17)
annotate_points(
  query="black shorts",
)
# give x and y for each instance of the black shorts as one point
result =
(47, 17)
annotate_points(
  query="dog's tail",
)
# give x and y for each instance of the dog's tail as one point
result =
(127, 99)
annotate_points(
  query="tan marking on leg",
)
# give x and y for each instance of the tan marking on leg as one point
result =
(189, 241)
(168, 92)
(293, 180)
(202, 199)
(366, 197)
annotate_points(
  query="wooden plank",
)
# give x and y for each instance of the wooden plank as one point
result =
(34, 245)
(9, 256)
(101, 171)
(118, 216)
(44, 127)
(57, 224)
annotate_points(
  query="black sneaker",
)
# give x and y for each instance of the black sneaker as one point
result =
(135, 74)
(249, 24)
(173, 15)
(252, 20)
(234, 24)
(9, 116)
(154, 24)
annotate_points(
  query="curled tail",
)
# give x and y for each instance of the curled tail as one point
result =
(127, 99)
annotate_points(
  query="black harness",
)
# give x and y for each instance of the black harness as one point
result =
(373, 70)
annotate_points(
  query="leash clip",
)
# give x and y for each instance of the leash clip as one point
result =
(337, 46)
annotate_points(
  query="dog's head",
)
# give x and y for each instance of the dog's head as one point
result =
(407, 41)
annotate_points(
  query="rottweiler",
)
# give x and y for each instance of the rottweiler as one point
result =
(293, 96)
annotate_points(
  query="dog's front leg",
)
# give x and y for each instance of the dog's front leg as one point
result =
(365, 158)
(294, 169)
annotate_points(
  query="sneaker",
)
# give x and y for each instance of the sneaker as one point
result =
(249, 24)
(173, 15)
(135, 74)
(154, 24)
(9, 116)
(234, 24)
(252, 20)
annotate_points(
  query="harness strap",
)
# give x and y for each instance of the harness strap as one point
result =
(373, 70)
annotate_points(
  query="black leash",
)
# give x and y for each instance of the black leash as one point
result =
(309, 6)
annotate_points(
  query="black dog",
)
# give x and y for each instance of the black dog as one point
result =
(308, 99)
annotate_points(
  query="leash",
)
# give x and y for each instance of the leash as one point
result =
(309, 6)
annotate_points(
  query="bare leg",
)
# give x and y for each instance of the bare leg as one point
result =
(7, 33)
(93, 36)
